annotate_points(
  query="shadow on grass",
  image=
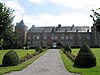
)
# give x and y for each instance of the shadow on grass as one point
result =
(4, 66)
(1, 66)
(79, 67)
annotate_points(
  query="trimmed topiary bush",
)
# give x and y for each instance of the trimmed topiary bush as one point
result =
(10, 59)
(39, 49)
(85, 58)
(68, 48)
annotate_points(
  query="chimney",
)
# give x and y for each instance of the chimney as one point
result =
(43, 30)
(65, 30)
(33, 25)
(88, 30)
(59, 25)
(72, 25)
(77, 30)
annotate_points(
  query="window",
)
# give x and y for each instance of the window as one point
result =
(29, 42)
(56, 37)
(38, 37)
(52, 36)
(70, 43)
(71, 36)
(36, 43)
(62, 36)
(45, 36)
(66, 37)
(34, 37)
(19, 37)
(29, 37)
(44, 43)
(88, 37)
(79, 37)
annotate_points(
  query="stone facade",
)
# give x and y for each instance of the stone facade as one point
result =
(55, 36)
(21, 32)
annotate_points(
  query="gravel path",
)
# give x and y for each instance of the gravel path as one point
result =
(48, 64)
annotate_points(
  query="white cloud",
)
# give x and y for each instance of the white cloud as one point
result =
(19, 10)
(36, 1)
(78, 4)
(47, 19)
(65, 19)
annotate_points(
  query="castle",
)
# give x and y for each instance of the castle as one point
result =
(55, 36)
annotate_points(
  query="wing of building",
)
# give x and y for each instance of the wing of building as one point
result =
(53, 36)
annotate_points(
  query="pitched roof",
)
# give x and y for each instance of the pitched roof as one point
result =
(60, 29)
(40, 29)
(74, 29)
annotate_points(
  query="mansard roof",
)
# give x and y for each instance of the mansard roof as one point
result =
(60, 29)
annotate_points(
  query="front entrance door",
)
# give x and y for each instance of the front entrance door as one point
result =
(54, 45)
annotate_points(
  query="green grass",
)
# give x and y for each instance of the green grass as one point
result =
(21, 53)
(84, 71)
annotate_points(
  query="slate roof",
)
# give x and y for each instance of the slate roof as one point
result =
(21, 23)
(40, 29)
(60, 29)
(74, 29)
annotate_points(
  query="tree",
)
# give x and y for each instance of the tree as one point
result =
(6, 17)
(85, 58)
(6, 26)
(1, 43)
(96, 18)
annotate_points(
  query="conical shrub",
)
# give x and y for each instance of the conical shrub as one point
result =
(85, 58)
(68, 48)
(10, 58)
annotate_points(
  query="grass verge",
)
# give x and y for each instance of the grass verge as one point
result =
(19, 67)
(84, 71)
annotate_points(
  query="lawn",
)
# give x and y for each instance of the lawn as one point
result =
(84, 71)
(20, 53)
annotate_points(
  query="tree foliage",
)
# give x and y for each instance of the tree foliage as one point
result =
(96, 18)
(6, 26)
(6, 17)
(1, 43)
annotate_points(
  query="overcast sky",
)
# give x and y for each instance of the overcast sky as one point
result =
(53, 12)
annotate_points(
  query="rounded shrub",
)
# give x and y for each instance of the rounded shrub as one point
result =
(10, 59)
(85, 58)
(68, 48)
